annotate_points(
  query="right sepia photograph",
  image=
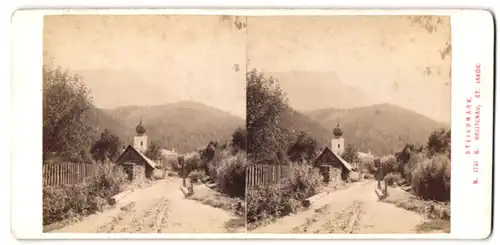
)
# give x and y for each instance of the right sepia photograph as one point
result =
(348, 124)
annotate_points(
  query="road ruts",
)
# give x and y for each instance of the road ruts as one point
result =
(324, 221)
(160, 208)
(355, 210)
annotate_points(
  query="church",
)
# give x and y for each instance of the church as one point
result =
(330, 163)
(134, 162)
(338, 146)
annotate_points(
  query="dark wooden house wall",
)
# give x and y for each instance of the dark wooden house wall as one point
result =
(329, 158)
(130, 156)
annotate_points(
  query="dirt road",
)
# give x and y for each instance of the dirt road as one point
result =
(352, 210)
(160, 208)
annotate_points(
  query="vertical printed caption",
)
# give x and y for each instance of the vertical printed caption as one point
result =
(473, 126)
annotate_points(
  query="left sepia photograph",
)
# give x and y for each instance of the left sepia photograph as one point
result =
(144, 124)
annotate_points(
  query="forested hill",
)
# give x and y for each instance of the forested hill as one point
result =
(382, 128)
(184, 125)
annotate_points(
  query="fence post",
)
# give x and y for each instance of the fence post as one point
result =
(250, 174)
(65, 173)
(59, 174)
(385, 188)
(270, 174)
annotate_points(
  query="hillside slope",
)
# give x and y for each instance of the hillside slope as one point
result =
(381, 128)
(296, 122)
(101, 120)
(184, 125)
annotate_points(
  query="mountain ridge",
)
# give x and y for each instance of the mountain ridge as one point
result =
(183, 125)
(381, 128)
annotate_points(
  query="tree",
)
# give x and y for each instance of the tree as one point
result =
(67, 132)
(106, 147)
(154, 151)
(207, 156)
(265, 104)
(439, 142)
(303, 149)
(239, 140)
(351, 154)
(404, 155)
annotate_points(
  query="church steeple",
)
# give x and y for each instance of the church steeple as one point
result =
(140, 130)
(141, 139)
(337, 143)
(337, 131)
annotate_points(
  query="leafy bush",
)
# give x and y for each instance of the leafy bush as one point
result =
(108, 181)
(393, 178)
(414, 160)
(431, 178)
(217, 160)
(270, 201)
(280, 200)
(388, 164)
(189, 162)
(66, 201)
(231, 175)
(427, 167)
(303, 149)
(351, 154)
(304, 182)
(173, 164)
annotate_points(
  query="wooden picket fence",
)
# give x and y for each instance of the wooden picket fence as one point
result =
(67, 173)
(266, 175)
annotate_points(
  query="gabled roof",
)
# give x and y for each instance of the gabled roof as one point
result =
(327, 150)
(148, 161)
(344, 162)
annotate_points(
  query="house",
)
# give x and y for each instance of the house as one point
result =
(136, 164)
(169, 154)
(133, 160)
(332, 166)
(366, 157)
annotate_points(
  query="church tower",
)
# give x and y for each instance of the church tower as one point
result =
(338, 141)
(141, 139)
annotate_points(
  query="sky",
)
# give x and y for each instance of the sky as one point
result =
(158, 59)
(383, 56)
(151, 60)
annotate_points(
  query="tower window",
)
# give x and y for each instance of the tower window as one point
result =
(338, 145)
(141, 143)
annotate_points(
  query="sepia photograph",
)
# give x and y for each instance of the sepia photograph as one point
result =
(348, 124)
(144, 124)
(251, 124)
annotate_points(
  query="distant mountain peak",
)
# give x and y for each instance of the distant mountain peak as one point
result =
(325, 87)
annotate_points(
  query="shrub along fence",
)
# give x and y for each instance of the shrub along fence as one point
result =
(67, 173)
